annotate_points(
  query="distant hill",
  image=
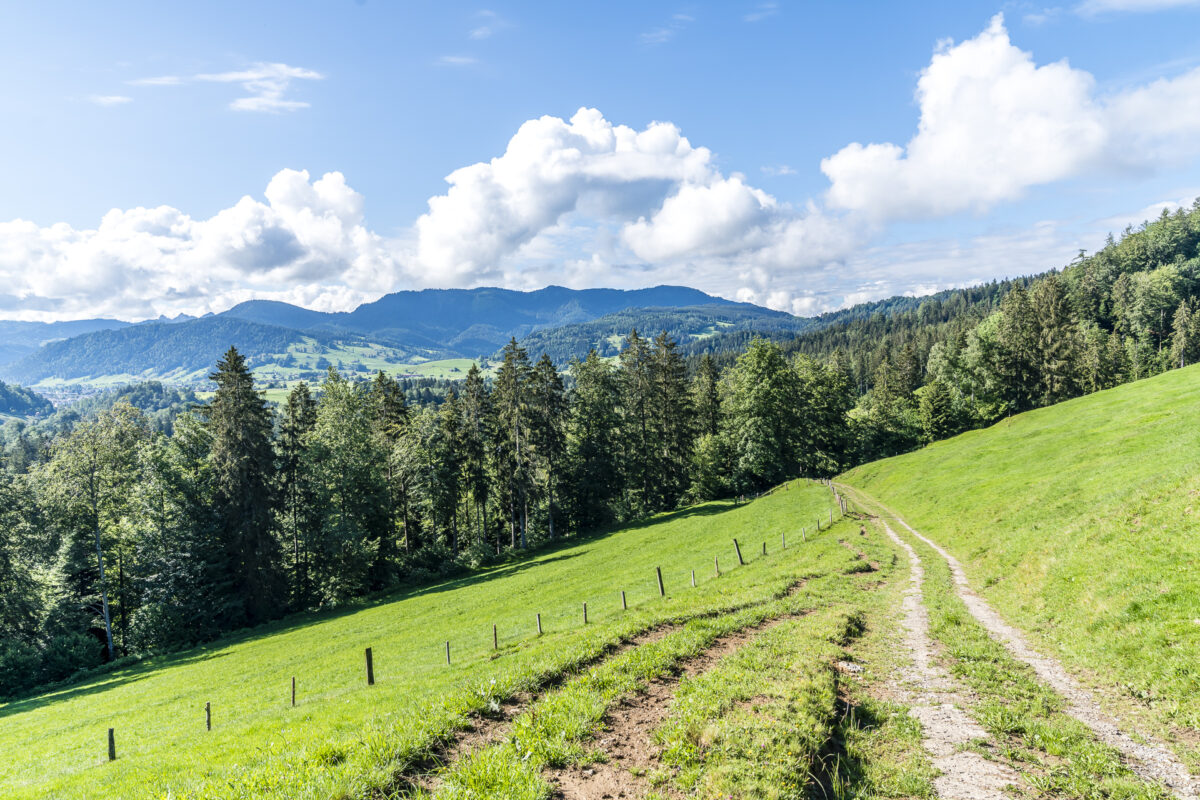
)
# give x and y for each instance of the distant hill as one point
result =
(177, 350)
(19, 339)
(17, 401)
(688, 326)
(471, 322)
(400, 333)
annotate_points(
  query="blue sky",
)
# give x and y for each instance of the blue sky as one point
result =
(718, 146)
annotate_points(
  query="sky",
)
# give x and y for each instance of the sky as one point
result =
(157, 159)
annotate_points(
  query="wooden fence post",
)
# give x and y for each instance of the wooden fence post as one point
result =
(495, 638)
(783, 540)
(662, 592)
(624, 605)
(370, 668)
(447, 654)
(539, 617)
(208, 716)
(293, 691)
(112, 746)
(585, 613)
(764, 548)
(738, 548)
(693, 579)
(716, 566)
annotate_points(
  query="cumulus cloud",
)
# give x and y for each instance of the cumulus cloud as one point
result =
(652, 196)
(994, 123)
(305, 244)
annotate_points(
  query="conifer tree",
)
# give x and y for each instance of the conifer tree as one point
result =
(547, 435)
(706, 397)
(1185, 334)
(593, 442)
(637, 429)
(242, 469)
(672, 423)
(1018, 349)
(1058, 342)
(476, 427)
(298, 499)
(512, 454)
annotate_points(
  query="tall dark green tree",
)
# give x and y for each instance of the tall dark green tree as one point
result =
(242, 469)
(510, 398)
(298, 521)
(547, 433)
(477, 434)
(706, 396)
(762, 403)
(637, 428)
(593, 442)
(1059, 345)
(1018, 352)
(672, 428)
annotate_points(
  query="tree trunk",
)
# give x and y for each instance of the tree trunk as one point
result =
(104, 595)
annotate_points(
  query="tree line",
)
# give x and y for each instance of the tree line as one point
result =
(122, 537)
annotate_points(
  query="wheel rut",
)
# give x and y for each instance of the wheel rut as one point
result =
(939, 703)
(1147, 758)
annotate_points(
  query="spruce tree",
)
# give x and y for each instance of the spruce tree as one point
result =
(1018, 355)
(298, 501)
(512, 454)
(706, 397)
(671, 413)
(593, 442)
(476, 427)
(547, 435)
(242, 468)
(1058, 346)
(637, 429)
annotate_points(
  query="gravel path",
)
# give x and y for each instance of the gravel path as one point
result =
(1149, 759)
(938, 702)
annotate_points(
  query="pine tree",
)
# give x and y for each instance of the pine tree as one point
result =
(1185, 334)
(593, 442)
(1058, 342)
(242, 468)
(547, 434)
(762, 415)
(298, 499)
(511, 401)
(706, 397)
(637, 429)
(389, 417)
(671, 414)
(1018, 348)
(936, 410)
(477, 423)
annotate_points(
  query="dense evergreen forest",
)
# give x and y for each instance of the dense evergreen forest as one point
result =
(124, 533)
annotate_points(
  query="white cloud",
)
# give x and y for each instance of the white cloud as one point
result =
(456, 61)
(306, 244)
(1102, 6)
(761, 12)
(160, 80)
(778, 170)
(491, 23)
(666, 33)
(649, 197)
(266, 84)
(994, 123)
(109, 99)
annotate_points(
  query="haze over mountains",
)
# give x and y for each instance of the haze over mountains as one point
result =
(402, 329)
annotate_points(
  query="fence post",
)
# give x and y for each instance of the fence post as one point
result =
(447, 654)
(803, 535)
(293, 691)
(716, 566)
(783, 540)
(764, 548)
(208, 716)
(738, 548)
(662, 592)
(585, 613)
(693, 579)
(370, 668)
(624, 605)
(112, 746)
(539, 617)
(495, 638)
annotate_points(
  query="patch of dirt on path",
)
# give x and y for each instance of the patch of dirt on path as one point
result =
(936, 700)
(629, 724)
(1150, 760)
(487, 730)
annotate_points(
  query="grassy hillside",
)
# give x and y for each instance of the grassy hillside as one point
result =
(1080, 523)
(345, 739)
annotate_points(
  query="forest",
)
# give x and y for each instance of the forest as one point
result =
(124, 533)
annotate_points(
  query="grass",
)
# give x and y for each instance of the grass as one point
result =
(1079, 523)
(347, 740)
(1058, 756)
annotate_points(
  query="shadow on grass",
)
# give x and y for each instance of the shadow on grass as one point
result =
(110, 677)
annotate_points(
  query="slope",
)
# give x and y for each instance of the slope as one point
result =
(344, 738)
(1078, 523)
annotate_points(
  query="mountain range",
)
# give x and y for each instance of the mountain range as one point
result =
(409, 332)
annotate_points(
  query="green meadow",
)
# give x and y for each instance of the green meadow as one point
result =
(1080, 523)
(346, 739)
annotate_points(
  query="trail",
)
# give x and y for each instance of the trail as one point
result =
(1149, 759)
(938, 702)
(630, 723)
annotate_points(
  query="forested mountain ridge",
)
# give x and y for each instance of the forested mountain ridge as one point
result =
(688, 326)
(17, 401)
